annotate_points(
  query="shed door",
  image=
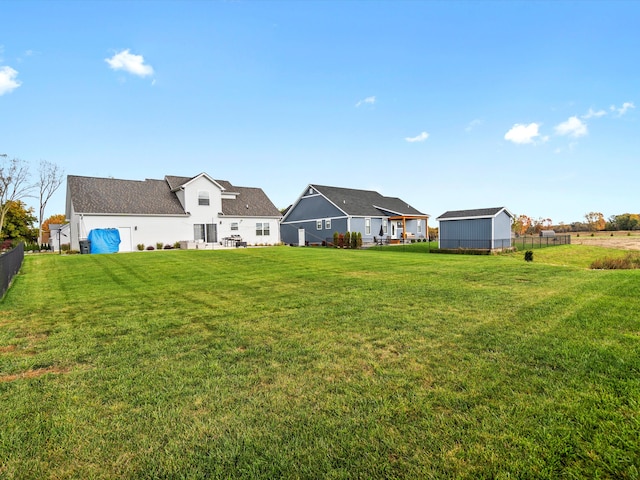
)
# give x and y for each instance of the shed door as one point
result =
(301, 237)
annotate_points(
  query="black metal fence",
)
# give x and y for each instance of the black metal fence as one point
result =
(471, 244)
(521, 243)
(540, 242)
(10, 263)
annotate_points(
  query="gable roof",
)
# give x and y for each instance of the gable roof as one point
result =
(115, 196)
(365, 202)
(476, 213)
(157, 197)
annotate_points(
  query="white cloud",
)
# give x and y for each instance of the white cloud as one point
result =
(418, 138)
(129, 62)
(626, 106)
(473, 124)
(369, 100)
(522, 134)
(574, 127)
(8, 83)
(592, 113)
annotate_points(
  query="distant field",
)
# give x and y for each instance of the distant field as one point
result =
(320, 363)
(620, 240)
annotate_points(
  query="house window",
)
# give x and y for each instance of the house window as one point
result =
(318, 224)
(203, 198)
(234, 225)
(262, 229)
(384, 227)
(367, 226)
(327, 224)
(419, 226)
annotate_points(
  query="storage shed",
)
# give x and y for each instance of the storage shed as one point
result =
(479, 229)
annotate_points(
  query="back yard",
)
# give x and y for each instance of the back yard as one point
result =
(320, 363)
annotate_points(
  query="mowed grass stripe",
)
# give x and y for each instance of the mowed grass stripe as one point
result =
(320, 363)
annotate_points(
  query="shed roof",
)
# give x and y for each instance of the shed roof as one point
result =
(475, 213)
(365, 202)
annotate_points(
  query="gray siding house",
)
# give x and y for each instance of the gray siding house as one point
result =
(322, 210)
(484, 228)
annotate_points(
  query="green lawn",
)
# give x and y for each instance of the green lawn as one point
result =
(320, 363)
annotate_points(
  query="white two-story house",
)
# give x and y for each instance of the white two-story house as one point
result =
(199, 212)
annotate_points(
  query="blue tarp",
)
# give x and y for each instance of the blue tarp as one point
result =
(104, 240)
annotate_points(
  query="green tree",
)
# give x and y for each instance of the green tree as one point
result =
(19, 222)
(626, 221)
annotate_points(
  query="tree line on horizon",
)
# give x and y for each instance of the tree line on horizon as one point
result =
(593, 222)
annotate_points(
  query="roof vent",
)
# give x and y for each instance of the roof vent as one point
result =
(247, 205)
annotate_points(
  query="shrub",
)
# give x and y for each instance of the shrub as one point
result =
(159, 245)
(150, 247)
(359, 242)
(528, 256)
(176, 245)
(336, 237)
(347, 239)
(141, 246)
(629, 262)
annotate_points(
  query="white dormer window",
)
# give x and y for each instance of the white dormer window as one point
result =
(203, 198)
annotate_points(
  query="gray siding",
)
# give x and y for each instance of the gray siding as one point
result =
(289, 231)
(313, 207)
(472, 233)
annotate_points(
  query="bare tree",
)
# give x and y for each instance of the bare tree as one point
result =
(14, 184)
(51, 177)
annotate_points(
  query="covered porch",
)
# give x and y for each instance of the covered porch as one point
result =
(409, 227)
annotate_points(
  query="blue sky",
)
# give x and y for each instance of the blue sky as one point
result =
(447, 105)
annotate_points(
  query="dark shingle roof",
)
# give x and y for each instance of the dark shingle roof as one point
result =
(365, 202)
(250, 202)
(111, 195)
(476, 213)
(156, 197)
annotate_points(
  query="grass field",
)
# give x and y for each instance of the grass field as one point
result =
(320, 363)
